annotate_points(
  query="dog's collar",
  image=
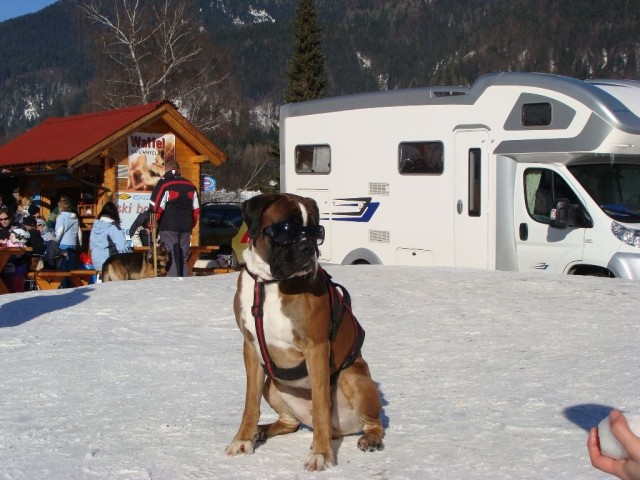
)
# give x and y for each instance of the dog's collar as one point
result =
(259, 279)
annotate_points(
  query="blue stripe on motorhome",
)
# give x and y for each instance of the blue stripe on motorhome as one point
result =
(365, 217)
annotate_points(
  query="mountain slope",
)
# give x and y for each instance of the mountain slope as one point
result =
(368, 44)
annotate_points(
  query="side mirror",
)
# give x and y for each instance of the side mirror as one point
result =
(560, 213)
(564, 214)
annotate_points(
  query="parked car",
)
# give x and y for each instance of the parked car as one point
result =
(221, 224)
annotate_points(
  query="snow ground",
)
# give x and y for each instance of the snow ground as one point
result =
(484, 375)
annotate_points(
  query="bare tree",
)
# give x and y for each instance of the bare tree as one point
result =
(156, 50)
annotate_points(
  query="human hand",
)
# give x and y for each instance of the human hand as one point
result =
(625, 468)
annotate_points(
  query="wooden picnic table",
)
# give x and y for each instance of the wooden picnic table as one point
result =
(194, 253)
(82, 277)
(51, 279)
(5, 253)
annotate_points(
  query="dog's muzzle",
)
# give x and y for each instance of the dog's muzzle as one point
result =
(294, 260)
(307, 248)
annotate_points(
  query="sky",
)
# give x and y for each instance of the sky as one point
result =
(16, 8)
(483, 375)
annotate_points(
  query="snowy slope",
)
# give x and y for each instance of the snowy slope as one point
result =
(484, 375)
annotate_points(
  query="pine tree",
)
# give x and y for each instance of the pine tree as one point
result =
(307, 74)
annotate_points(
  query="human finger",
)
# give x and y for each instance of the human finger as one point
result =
(601, 462)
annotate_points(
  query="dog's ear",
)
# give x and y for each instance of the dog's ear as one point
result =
(252, 211)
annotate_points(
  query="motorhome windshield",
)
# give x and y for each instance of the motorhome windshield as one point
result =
(614, 186)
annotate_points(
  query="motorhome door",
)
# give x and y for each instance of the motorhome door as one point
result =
(542, 247)
(471, 199)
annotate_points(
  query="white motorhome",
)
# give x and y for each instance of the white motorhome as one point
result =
(520, 171)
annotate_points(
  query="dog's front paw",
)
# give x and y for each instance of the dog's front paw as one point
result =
(316, 462)
(370, 443)
(239, 447)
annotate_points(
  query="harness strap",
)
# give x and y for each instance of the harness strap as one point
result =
(272, 369)
(339, 302)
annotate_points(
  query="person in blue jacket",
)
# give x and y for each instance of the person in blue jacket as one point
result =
(107, 238)
(68, 234)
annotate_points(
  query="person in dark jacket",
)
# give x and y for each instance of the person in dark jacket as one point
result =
(139, 230)
(174, 200)
(36, 242)
(6, 221)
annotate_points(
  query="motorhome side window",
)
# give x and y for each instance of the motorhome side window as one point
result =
(475, 178)
(536, 114)
(543, 187)
(421, 158)
(313, 159)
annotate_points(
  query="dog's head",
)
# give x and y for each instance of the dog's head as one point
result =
(285, 233)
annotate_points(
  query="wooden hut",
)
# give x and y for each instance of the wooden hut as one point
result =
(116, 155)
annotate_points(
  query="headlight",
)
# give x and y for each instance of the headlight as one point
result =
(630, 236)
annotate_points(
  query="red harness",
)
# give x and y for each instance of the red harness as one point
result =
(339, 302)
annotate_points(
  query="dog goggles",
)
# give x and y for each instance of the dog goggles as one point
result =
(286, 234)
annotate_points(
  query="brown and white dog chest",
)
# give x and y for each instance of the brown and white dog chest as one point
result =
(278, 329)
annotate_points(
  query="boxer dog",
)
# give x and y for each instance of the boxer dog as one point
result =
(301, 340)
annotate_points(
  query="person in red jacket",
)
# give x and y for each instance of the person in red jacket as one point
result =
(174, 200)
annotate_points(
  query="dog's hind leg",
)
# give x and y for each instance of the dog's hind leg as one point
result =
(362, 393)
(287, 421)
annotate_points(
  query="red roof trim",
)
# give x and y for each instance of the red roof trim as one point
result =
(60, 139)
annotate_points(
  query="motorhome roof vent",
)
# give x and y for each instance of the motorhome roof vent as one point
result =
(378, 188)
(379, 236)
(448, 91)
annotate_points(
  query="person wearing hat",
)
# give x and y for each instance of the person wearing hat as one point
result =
(36, 242)
(45, 232)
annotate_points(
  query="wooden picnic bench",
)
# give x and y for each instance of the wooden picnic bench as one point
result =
(82, 277)
(194, 254)
(48, 279)
(51, 279)
(201, 271)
